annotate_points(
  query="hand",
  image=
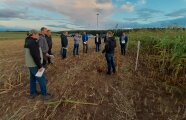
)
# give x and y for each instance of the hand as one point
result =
(40, 69)
(47, 55)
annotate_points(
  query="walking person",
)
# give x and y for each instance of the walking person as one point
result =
(76, 44)
(110, 46)
(34, 60)
(49, 41)
(85, 42)
(97, 42)
(64, 44)
(123, 43)
(44, 45)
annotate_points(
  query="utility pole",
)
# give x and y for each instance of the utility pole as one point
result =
(97, 20)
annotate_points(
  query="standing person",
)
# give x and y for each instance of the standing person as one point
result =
(64, 44)
(44, 45)
(97, 42)
(76, 44)
(85, 42)
(123, 43)
(49, 41)
(34, 60)
(105, 38)
(109, 53)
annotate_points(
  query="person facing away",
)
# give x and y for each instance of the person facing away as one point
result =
(97, 42)
(44, 45)
(85, 42)
(110, 46)
(76, 44)
(64, 44)
(123, 43)
(34, 60)
(105, 38)
(49, 41)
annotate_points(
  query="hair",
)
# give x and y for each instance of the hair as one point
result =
(110, 33)
(43, 28)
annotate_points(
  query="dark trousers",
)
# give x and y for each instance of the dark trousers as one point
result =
(123, 49)
(97, 47)
(45, 60)
(50, 53)
(85, 48)
(41, 81)
(76, 49)
(63, 52)
(110, 62)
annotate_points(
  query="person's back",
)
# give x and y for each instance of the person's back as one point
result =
(110, 45)
(64, 40)
(76, 39)
(64, 44)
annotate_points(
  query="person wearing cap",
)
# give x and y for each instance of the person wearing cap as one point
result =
(76, 44)
(64, 44)
(49, 41)
(110, 46)
(123, 43)
(85, 42)
(44, 45)
(97, 42)
(34, 60)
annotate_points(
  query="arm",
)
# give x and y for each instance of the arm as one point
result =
(35, 53)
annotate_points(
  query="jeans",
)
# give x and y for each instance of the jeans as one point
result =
(63, 52)
(97, 47)
(110, 62)
(76, 49)
(123, 49)
(85, 48)
(41, 81)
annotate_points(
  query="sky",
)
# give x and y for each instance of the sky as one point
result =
(59, 15)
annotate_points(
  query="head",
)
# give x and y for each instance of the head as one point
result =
(65, 33)
(97, 35)
(49, 33)
(124, 34)
(109, 34)
(84, 33)
(34, 34)
(76, 34)
(44, 31)
(28, 33)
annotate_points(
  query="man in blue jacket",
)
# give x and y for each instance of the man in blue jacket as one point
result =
(85, 42)
(123, 43)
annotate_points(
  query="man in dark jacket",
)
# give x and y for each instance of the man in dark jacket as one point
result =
(110, 46)
(49, 41)
(64, 44)
(97, 42)
(34, 60)
(123, 43)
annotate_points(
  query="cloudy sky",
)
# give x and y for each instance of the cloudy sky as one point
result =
(81, 14)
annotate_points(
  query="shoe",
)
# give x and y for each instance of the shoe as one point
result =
(32, 96)
(108, 73)
(114, 71)
(47, 97)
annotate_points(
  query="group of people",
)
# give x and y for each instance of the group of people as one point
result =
(38, 54)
